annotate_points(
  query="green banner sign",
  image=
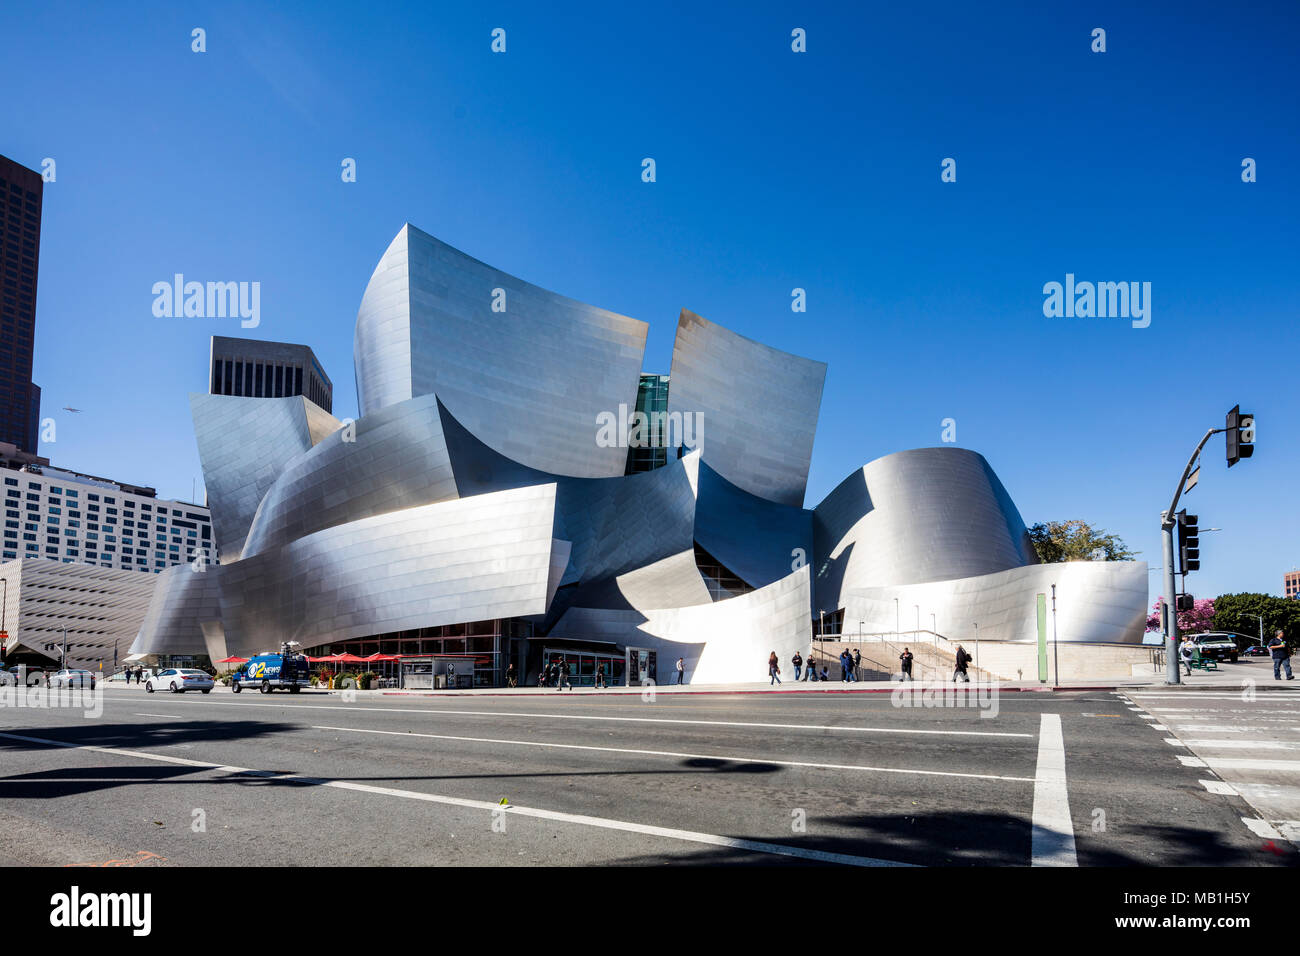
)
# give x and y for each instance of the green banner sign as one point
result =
(1042, 638)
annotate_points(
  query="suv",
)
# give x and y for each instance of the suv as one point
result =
(1216, 646)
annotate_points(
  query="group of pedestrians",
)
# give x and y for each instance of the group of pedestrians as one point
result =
(557, 673)
(136, 672)
(806, 670)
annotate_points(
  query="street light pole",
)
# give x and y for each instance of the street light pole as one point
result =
(977, 645)
(1170, 602)
(898, 624)
(4, 605)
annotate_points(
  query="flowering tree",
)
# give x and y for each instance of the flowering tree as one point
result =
(1199, 618)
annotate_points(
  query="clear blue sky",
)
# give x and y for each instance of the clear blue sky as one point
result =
(775, 170)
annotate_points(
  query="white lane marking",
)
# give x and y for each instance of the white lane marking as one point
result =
(1052, 840)
(1174, 742)
(689, 836)
(168, 716)
(637, 720)
(1268, 696)
(1225, 729)
(1261, 828)
(1191, 761)
(1243, 763)
(1158, 727)
(1243, 744)
(1219, 787)
(1147, 716)
(1267, 791)
(669, 753)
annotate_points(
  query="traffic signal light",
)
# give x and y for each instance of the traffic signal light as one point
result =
(1189, 544)
(1185, 602)
(1240, 435)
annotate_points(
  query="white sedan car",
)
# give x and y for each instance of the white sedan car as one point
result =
(73, 678)
(178, 680)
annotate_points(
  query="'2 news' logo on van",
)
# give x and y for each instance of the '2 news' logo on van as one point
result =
(76, 909)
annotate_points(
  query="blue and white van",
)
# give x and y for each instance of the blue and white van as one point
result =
(270, 671)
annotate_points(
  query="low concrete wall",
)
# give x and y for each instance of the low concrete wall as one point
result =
(1077, 661)
(1003, 660)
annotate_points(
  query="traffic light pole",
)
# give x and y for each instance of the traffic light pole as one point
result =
(1169, 617)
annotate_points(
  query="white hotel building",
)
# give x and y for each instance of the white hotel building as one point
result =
(74, 547)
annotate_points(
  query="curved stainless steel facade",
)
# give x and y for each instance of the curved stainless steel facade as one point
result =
(719, 642)
(393, 459)
(529, 381)
(244, 444)
(929, 514)
(1100, 602)
(472, 488)
(759, 407)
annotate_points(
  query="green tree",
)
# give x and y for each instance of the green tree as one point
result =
(1057, 541)
(1240, 613)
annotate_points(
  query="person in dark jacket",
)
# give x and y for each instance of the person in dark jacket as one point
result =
(906, 658)
(962, 660)
(1281, 655)
(810, 670)
(797, 661)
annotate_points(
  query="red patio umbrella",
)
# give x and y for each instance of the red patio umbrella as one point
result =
(233, 660)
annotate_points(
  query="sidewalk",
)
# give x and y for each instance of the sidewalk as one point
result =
(1214, 681)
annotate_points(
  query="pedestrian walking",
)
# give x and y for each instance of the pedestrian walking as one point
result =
(600, 675)
(1187, 651)
(681, 671)
(797, 661)
(563, 677)
(906, 658)
(512, 679)
(773, 669)
(1281, 656)
(962, 660)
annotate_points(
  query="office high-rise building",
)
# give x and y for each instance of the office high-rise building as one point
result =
(256, 369)
(1291, 584)
(20, 246)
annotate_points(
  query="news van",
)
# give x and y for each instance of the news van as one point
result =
(268, 672)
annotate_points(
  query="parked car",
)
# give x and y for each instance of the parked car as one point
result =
(1216, 646)
(178, 680)
(72, 678)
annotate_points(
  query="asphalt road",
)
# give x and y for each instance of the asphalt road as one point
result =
(164, 780)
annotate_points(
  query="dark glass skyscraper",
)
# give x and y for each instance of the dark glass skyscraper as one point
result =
(20, 248)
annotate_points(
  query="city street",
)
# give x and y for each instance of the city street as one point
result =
(772, 778)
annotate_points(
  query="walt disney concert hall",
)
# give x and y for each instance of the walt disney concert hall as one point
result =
(515, 487)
